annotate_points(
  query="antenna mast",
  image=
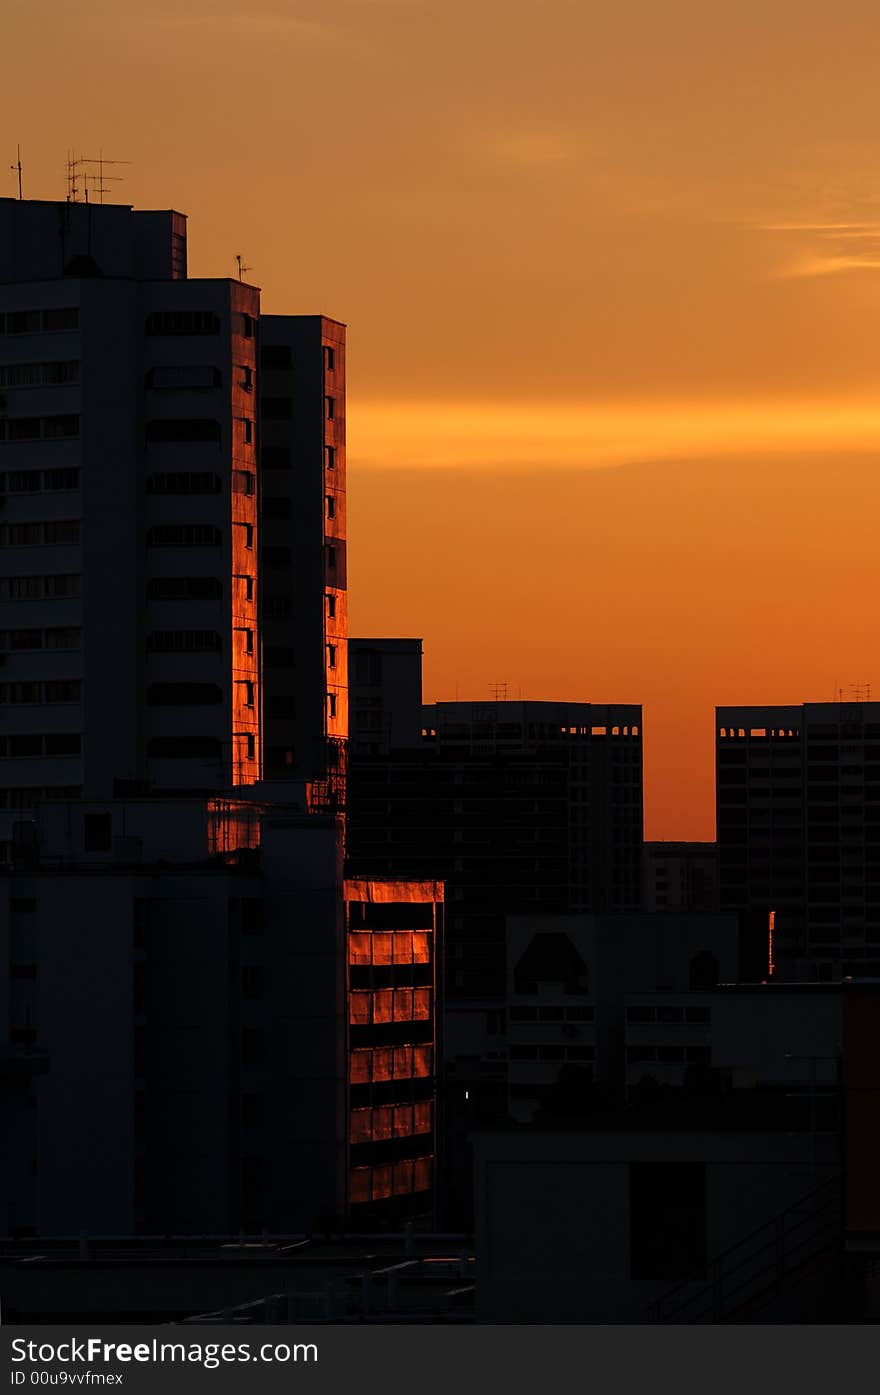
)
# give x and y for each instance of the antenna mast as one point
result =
(17, 166)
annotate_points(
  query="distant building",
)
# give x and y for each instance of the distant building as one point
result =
(798, 793)
(386, 714)
(680, 877)
(208, 1030)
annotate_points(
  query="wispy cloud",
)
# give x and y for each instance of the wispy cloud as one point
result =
(588, 436)
(836, 247)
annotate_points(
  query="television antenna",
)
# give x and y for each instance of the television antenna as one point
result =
(17, 167)
(499, 691)
(86, 177)
(241, 267)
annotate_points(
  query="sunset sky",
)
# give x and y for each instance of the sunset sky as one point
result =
(611, 271)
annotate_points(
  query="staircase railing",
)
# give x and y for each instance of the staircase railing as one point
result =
(760, 1263)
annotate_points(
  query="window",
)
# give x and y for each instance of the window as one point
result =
(247, 326)
(331, 506)
(182, 429)
(184, 694)
(331, 605)
(330, 457)
(248, 431)
(38, 428)
(331, 704)
(331, 655)
(184, 748)
(329, 359)
(275, 458)
(246, 381)
(251, 743)
(38, 374)
(248, 693)
(276, 356)
(331, 558)
(248, 588)
(184, 535)
(183, 641)
(97, 832)
(277, 408)
(36, 588)
(249, 641)
(184, 482)
(32, 321)
(275, 507)
(182, 588)
(168, 322)
(277, 607)
(329, 408)
(249, 535)
(244, 482)
(196, 377)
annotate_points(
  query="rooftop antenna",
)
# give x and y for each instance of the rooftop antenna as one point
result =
(499, 691)
(241, 268)
(86, 175)
(17, 166)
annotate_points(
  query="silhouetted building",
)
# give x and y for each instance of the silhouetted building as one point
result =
(387, 680)
(208, 1030)
(516, 806)
(303, 595)
(129, 536)
(680, 877)
(798, 793)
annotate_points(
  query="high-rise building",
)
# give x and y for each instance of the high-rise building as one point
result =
(130, 531)
(798, 794)
(303, 596)
(387, 682)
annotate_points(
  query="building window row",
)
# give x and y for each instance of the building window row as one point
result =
(693, 1055)
(172, 322)
(38, 481)
(162, 430)
(184, 641)
(16, 375)
(390, 1005)
(392, 1179)
(39, 321)
(193, 377)
(53, 428)
(28, 797)
(553, 1052)
(184, 748)
(376, 1125)
(46, 533)
(42, 691)
(381, 947)
(55, 743)
(551, 1014)
(40, 588)
(184, 482)
(184, 588)
(184, 535)
(381, 1063)
(55, 637)
(643, 1013)
(184, 694)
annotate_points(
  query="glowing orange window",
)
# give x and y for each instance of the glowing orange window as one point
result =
(381, 1183)
(359, 949)
(403, 1004)
(383, 1058)
(403, 1120)
(402, 1062)
(422, 1120)
(403, 947)
(383, 1122)
(383, 1003)
(421, 947)
(360, 1130)
(422, 1061)
(359, 1008)
(421, 1175)
(403, 1177)
(383, 948)
(421, 1003)
(359, 1073)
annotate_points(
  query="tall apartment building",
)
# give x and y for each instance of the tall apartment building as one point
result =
(146, 538)
(798, 796)
(303, 607)
(129, 533)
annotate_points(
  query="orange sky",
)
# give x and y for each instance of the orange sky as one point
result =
(610, 270)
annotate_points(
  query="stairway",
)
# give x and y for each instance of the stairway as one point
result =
(759, 1270)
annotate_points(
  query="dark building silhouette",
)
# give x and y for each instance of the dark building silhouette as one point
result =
(798, 802)
(680, 876)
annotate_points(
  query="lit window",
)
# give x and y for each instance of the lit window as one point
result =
(330, 407)
(331, 704)
(331, 506)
